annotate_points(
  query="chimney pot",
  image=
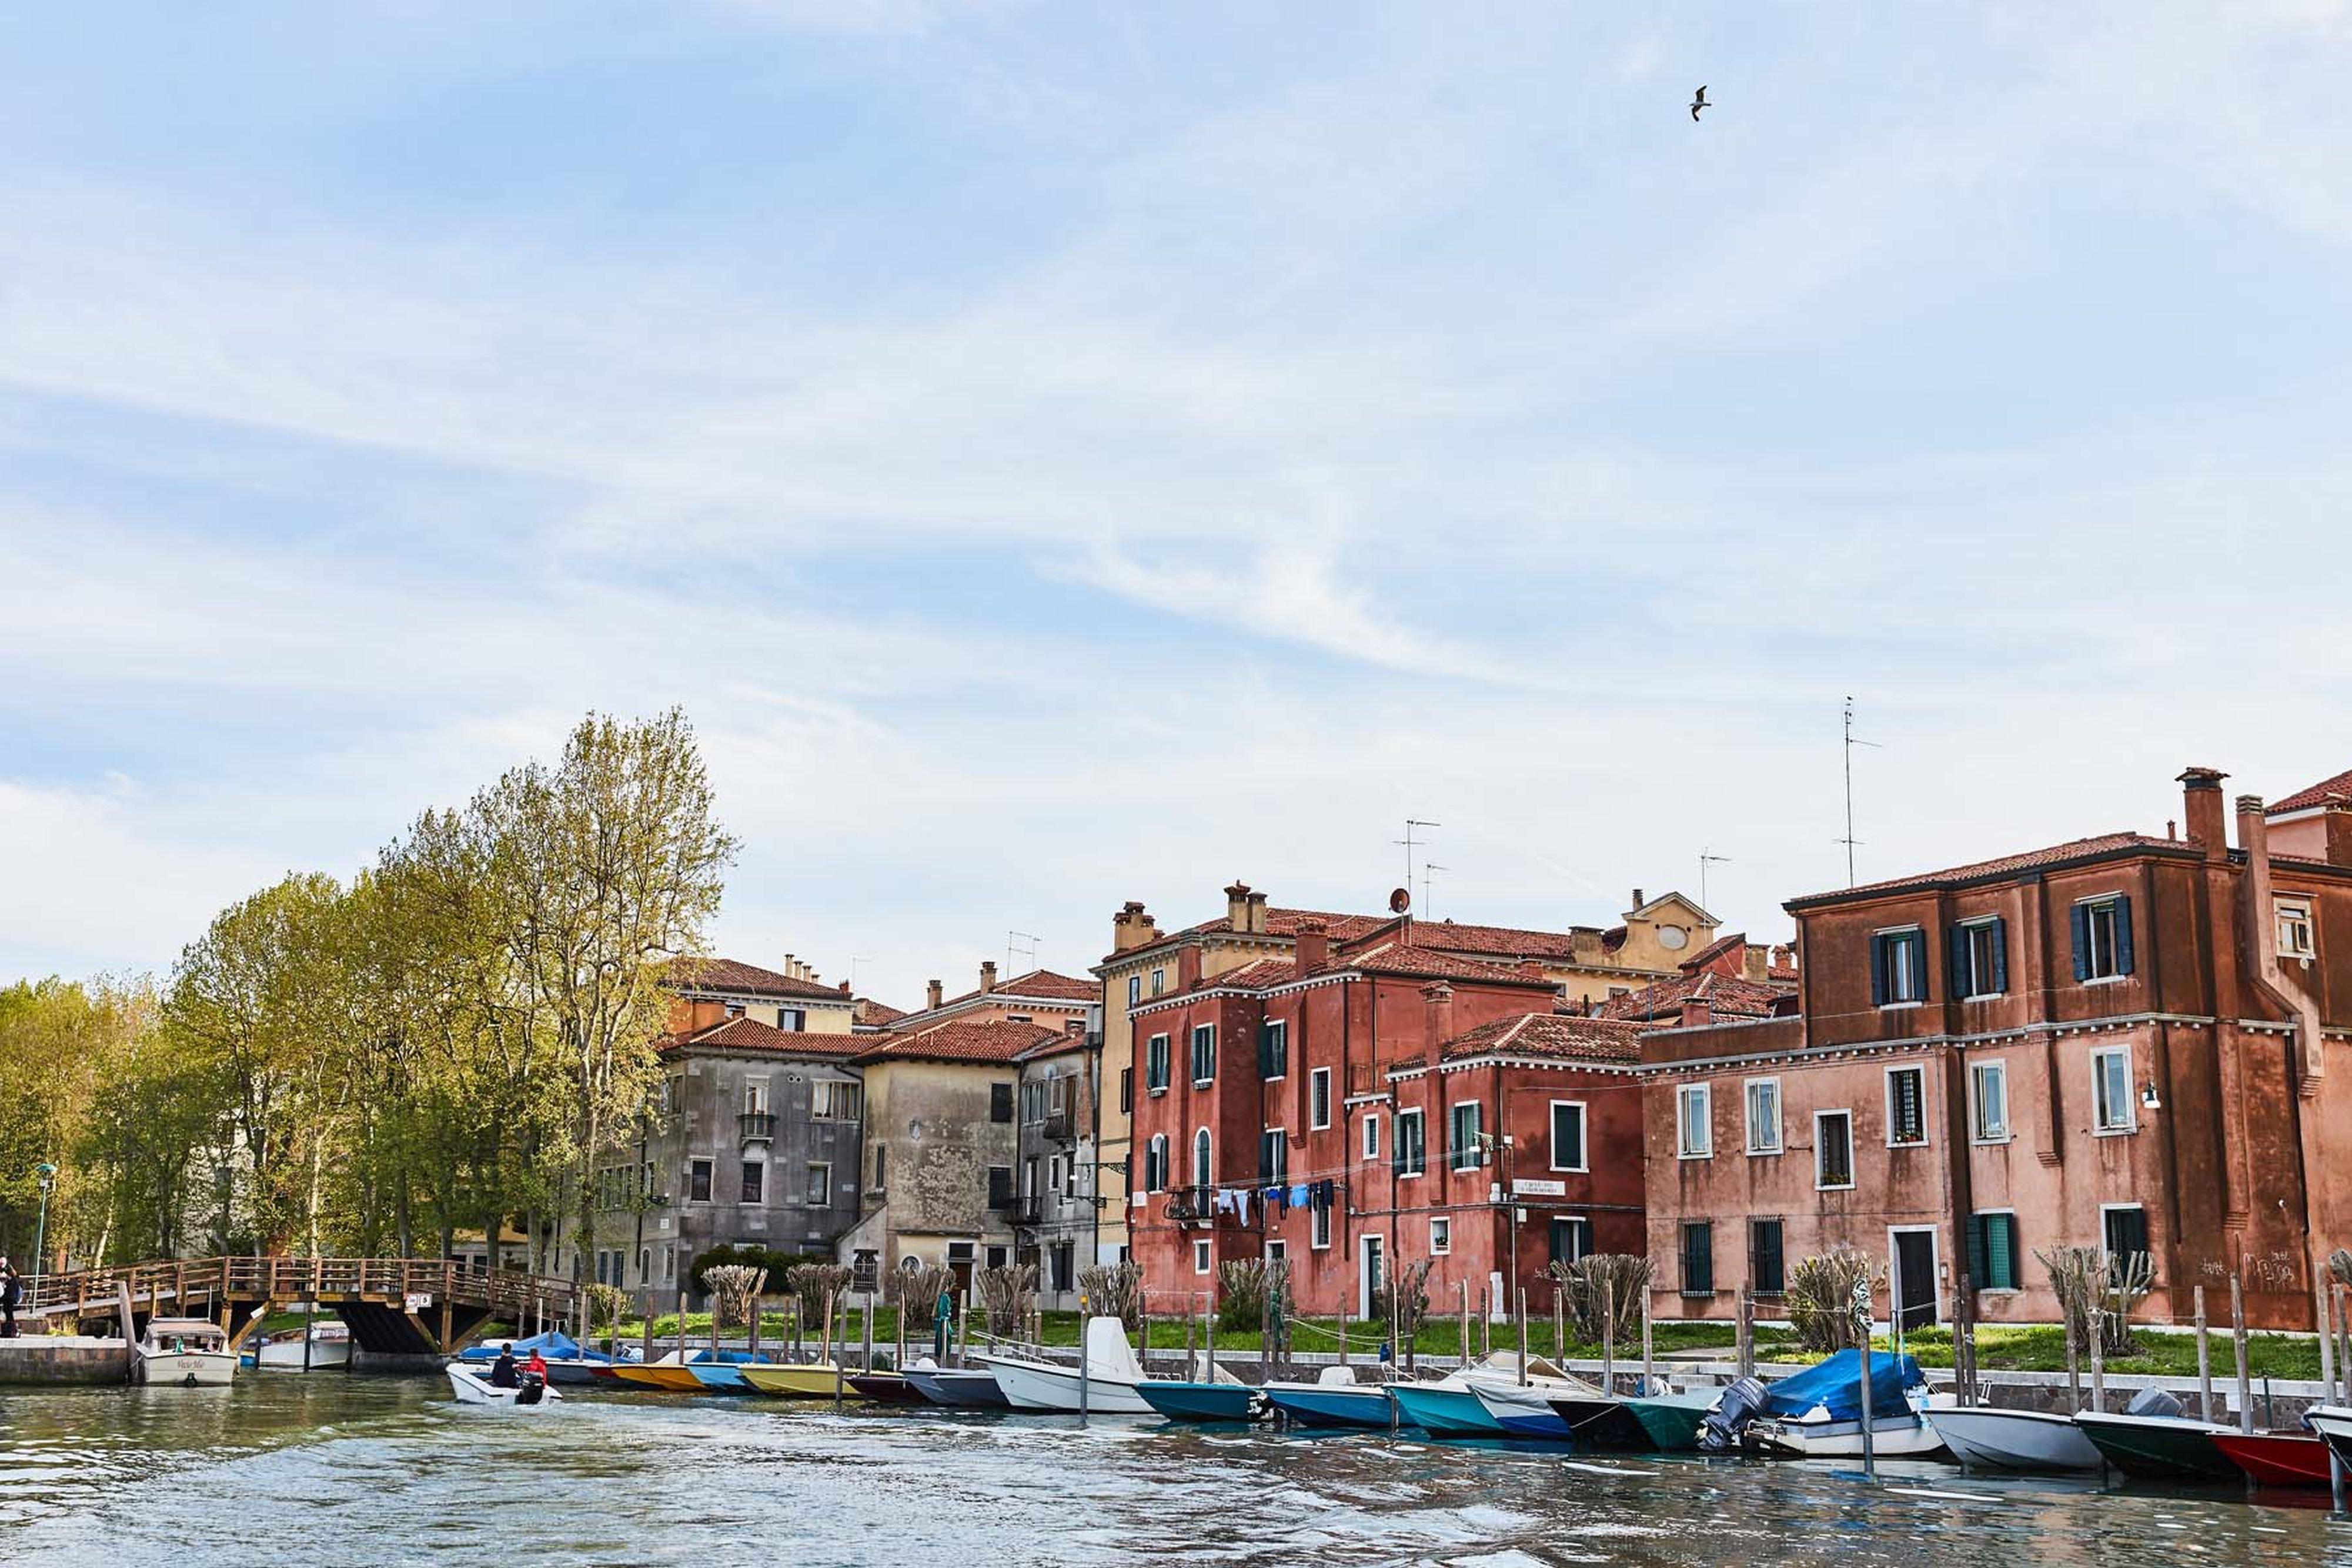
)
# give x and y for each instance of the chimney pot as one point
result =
(1440, 998)
(1638, 899)
(987, 976)
(933, 992)
(1237, 907)
(2200, 795)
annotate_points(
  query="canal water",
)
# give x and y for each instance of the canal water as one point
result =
(331, 1469)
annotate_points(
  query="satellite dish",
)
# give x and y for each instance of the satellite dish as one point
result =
(1399, 901)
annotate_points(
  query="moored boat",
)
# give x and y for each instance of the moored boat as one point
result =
(1457, 1403)
(1599, 1420)
(2159, 1447)
(1672, 1421)
(1334, 1399)
(795, 1380)
(1105, 1387)
(2333, 1423)
(1443, 1411)
(884, 1388)
(670, 1374)
(330, 1347)
(1818, 1413)
(2031, 1440)
(188, 1353)
(957, 1388)
(1181, 1399)
(2277, 1459)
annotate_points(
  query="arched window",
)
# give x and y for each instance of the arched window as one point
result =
(1200, 1157)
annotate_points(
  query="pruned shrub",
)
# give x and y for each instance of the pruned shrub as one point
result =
(1829, 1301)
(1605, 1289)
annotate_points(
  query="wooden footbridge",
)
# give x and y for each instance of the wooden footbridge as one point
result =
(395, 1306)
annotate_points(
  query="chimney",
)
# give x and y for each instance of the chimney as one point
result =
(791, 967)
(1753, 965)
(931, 995)
(1237, 907)
(987, 976)
(1440, 998)
(844, 987)
(2200, 792)
(1258, 914)
(1188, 966)
(1314, 950)
(1697, 1011)
(1638, 899)
(1132, 927)
(1783, 955)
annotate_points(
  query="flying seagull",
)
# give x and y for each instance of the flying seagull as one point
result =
(1698, 103)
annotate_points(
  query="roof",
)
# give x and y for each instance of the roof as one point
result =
(1726, 996)
(1394, 958)
(736, 978)
(1561, 1036)
(1278, 923)
(1720, 947)
(974, 1042)
(751, 1035)
(1063, 1040)
(1036, 986)
(2335, 791)
(2101, 847)
(874, 1015)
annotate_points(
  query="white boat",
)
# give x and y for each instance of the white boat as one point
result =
(331, 1347)
(185, 1353)
(1902, 1435)
(476, 1389)
(1111, 1374)
(1987, 1439)
(2334, 1425)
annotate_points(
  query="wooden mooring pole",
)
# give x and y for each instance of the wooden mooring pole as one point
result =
(2204, 1355)
(2238, 1341)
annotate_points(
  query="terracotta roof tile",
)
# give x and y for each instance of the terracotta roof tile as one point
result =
(1728, 996)
(2074, 850)
(1392, 959)
(1036, 986)
(874, 1014)
(1716, 949)
(749, 1034)
(954, 1041)
(2337, 790)
(744, 979)
(1561, 1036)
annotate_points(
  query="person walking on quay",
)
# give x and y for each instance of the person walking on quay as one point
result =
(12, 1296)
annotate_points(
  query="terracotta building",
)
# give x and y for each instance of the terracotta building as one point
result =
(2121, 1041)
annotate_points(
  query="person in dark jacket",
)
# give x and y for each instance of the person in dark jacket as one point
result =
(502, 1371)
(12, 1296)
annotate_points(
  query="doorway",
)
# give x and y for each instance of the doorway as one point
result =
(1914, 1256)
(1371, 1275)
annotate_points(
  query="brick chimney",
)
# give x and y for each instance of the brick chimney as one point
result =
(2200, 793)
(1697, 1010)
(1132, 927)
(1258, 914)
(1314, 948)
(844, 987)
(1638, 899)
(987, 976)
(1754, 964)
(1237, 907)
(1440, 998)
(933, 993)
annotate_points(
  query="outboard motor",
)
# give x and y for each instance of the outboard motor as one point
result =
(532, 1391)
(1730, 1414)
(2154, 1402)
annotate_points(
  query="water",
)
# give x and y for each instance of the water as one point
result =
(331, 1469)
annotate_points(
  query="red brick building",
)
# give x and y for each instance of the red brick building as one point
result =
(2128, 1042)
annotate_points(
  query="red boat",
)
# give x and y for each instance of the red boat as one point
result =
(2277, 1459)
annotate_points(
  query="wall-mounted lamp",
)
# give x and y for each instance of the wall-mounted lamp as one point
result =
(2147, 1099)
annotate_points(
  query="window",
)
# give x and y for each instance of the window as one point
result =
(1993, 1252)
(1053, 1174)
(698, 1181)
(834, 1102)
(2124, 1229)
(1318, 1099)
(1371, 1134)
(1767, 1272)
(1988, 1087)
(1898, 967)
(1134, 990)
(1567, 1135)
(1695, 1118)
(1000, 1102)
(1698, 1257)
(755, 1181)
(1440, 1235)
(1833, 1149)
(2103, 938)
(1571, 1238)
(1126, 1090)
(1029, 1183)
(1274, 1049)
(1906, 1106)
(755, 1096)
(1463, 1152)
(1155, 1163)
(2111, 1097)
(1979, 958)
(1763, 1116)
(1000, 1186)
(1277, 1250)
(1060, 1259)
(1274, 1157)
(1412, 1151)
(1201, 1176)
(1205, 1053)
(999, 1256)
(2294, 929)
(791, 1019)
(1155, 1065)
(881, 1166)
(1319, 1227)
(734, 1009)
(1159, 981)
(820, 1183)
(1200, 1257)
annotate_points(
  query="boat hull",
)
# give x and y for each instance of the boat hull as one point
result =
(1315, 1404)
(1035, 1386)
(670, 1379)
(1598, 1421)
(1670, 1425)
(475, 1389)
(1443, 1411)
(577, 1374)
(187, 1368)
(2277, 1459)
(1904, 1436)
(2158, 1449)
(1182, 1401)
(959, 1388)
(286, 1355)
(2334, 1425)
(816, 1380)
(884, 1388)
(719, 1376)
(2026, 1440)
(1522, 1412)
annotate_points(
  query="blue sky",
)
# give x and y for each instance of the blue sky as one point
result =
(1065, 454)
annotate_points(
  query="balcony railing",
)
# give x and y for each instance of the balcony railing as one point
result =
(757, 1126)
(1061, 1127)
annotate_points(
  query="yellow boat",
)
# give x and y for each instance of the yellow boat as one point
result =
(817, 1379)
(671, 1375)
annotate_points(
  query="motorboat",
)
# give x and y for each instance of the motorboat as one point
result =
(330, 1347)
(2332, 1426)
(957, 1388)
(1817, 1414)
(671, 1374)
(793, 1380)
(1984, 1438)
(1520, 1409)
(2153, 1440)
(884, 1388)
(569, 1363)
(473, 1387)
(2278, 1458)
(1334, 1399)
(188, 1353)
(1106, 1386)
(1212, 1395)
(1670, 1420)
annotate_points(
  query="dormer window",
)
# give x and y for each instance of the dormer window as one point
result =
(2295, 939)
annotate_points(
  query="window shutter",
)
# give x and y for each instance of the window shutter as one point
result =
(1878, 971)
(1958, 981)
(1265, 1156)
(2123, 936)
(2000, 1250)
(2082, 923)
(1980, 1275)
(1264, 1051)
(1918, 940)
(2000, 955)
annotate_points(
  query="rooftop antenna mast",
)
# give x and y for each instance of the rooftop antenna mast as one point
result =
(854, 962)
(1852, 740)
(1706, 858)
(1429, 910)
(1409, 841)
(1013, 939)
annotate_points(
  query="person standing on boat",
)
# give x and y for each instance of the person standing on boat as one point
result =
(502, 1371)
(12, 1296)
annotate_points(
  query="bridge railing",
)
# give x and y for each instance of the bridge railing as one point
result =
(184, 1280)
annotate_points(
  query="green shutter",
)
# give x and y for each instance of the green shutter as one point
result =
(2000, 1251)
(1980, 1274)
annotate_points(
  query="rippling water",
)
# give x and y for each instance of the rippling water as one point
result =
(330, 1469)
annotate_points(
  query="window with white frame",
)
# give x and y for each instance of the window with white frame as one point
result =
(1464, 1150)
(1274, 1049)
(755, 1096)
(2111, 1090)
(833, 1099)
(1155, 1065)
(1440, 1235)
(1318, 1099)
(1833, 1149)
(2295, 939)
(1200, 1157)
(1159, 981)
(1205, 1053)
(1763, 1097)
(1318, 1226)
(1155, 1163)
(1412, 1146)
(1979, 958)
(1134, 989)
(1898, 967)
(1906, 1107)
(1274, 1157)
(1694, 1122)
(1371, 1134)
(1988, 1088)
(2103, 938)
(1567, 1135)
(1200, 1257)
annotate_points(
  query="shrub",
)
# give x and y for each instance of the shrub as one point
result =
(1249, 1290)
(1008, 1294)
(1604, 1290)
(1829, 1301)
(1114, 1289)
(778, 1264)
(2097, 1294)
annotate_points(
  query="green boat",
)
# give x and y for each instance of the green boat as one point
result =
(2159, 1447)
(1673, 1420)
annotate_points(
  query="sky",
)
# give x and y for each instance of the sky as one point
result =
(1059, 455)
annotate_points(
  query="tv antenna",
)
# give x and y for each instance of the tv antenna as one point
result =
(854, 962)
(1016, 939)
(1852, 740)
(1409, 841)
(1706, 858)
(1428, 909)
